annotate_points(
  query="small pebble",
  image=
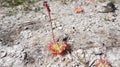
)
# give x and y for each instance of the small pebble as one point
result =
(97, 51)
(3, 53)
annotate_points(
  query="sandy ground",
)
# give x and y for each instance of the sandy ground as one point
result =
(25, 36)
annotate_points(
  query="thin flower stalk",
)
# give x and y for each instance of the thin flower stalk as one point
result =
(48, 10)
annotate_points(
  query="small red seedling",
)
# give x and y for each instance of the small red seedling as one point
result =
(56, 48)
(103, 63)
(79, 10)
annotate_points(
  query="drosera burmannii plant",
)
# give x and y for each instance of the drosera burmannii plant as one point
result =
(103, 63)
(55, 47)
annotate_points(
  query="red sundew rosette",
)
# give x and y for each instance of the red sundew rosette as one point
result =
(103, 63)
(58, 48)
(79, 10)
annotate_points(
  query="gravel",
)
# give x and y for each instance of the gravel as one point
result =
(93, 34)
